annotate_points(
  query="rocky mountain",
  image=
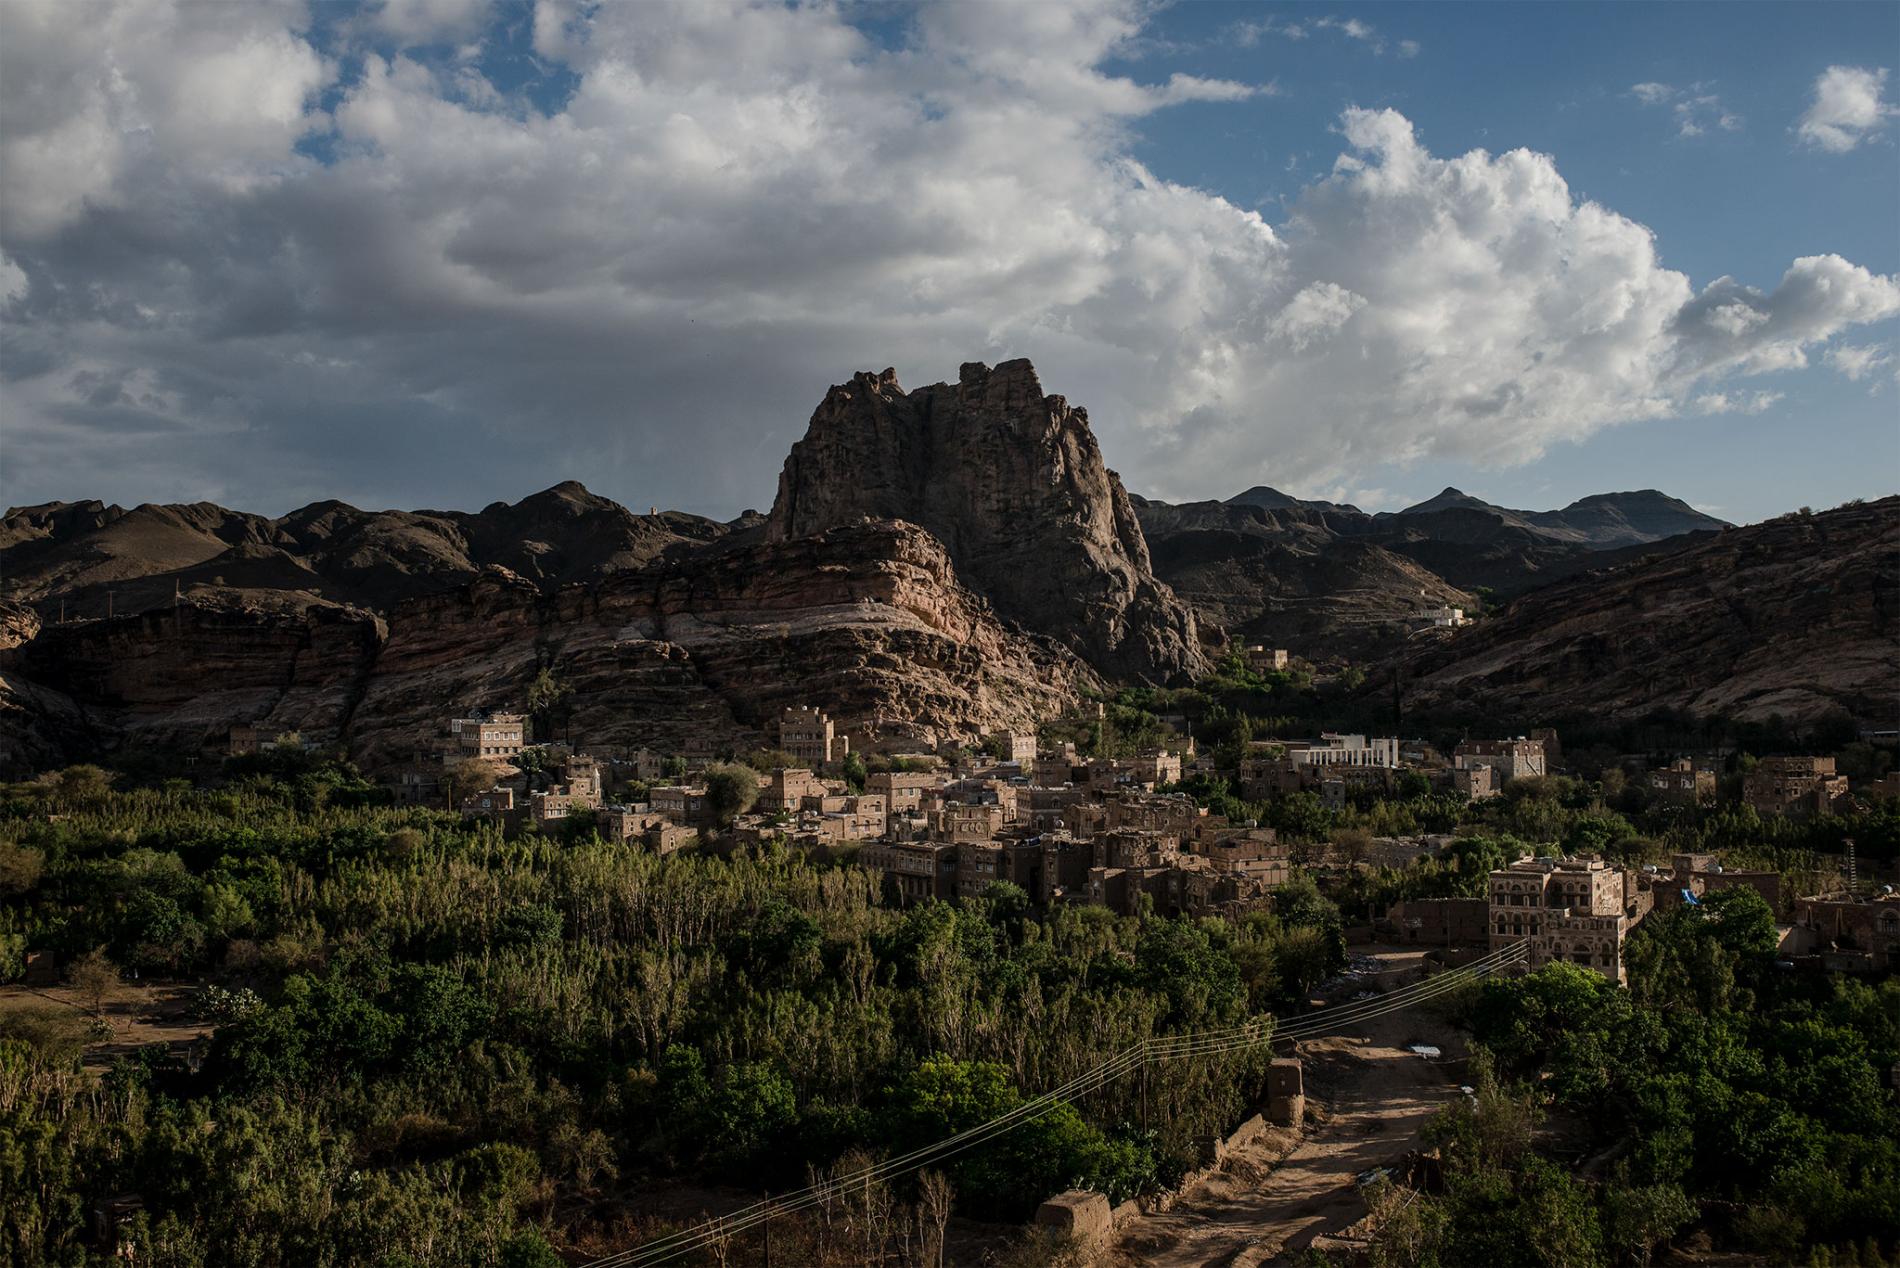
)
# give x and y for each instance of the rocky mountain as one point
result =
(76, 554)
(1291, 577)
(1601, 521)
(1327, 579)
(1012, 482)
(1798, 616)
(938, 564)
(1273, 500)
(868, 619)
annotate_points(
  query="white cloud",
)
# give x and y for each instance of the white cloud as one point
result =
(1248, 33)
(1314, 313)
(651, 286)
(428, 21)
(1736, 402)
(1847, 109)
(106, 95)
(1858, 362)
(1696, 111)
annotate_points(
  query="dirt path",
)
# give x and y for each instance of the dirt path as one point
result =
(1373, 1095)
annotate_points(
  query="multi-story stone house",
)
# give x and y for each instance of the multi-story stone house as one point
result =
(1684, 780)
(1564, 909)
(1799, 787)
(1520, 758)
(808, 735)
(500, 736)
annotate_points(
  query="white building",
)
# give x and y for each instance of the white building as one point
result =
(1334, 749)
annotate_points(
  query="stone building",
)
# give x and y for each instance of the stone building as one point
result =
(904, 791)
(1265, 659)
(497, 804)
(1693, 876)
(256, 738)
(1578, 910)
(680, 803)
(785, 790)
(1475, 782)
(957, 822)
(1520, 758)
(624, 823)
(581, 780)
(1684, 780)
(1852, 932)
(1017, 746)
(913, 870)
(807, 734)
(1800, 787)
(500, 736)
(1438, 922)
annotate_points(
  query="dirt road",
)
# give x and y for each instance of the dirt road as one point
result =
(1373, 1097)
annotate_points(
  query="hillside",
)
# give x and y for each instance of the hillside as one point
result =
(1798, 616)
(1326, 579)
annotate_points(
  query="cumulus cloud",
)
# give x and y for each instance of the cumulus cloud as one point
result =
(649, 282)
(102, 98)
(1848, 108)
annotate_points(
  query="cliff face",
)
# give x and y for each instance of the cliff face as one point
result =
(1799, 616)
(1013, 484)
(867, 620)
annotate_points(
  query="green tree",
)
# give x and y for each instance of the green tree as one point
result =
(730, 792)
(550, 702)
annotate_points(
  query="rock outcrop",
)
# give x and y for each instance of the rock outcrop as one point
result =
(867, 620)
(1012, 482)
(1798, 616)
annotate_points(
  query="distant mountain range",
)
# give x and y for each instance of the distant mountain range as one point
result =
(1324, 578)
(330, 552)
(1602, 520)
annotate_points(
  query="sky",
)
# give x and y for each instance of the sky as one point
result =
(438, 253)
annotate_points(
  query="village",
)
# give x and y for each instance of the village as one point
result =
(1119, 833)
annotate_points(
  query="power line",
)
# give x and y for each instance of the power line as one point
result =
(1248, 1034)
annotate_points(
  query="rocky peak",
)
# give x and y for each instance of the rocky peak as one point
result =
(1012, 482)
